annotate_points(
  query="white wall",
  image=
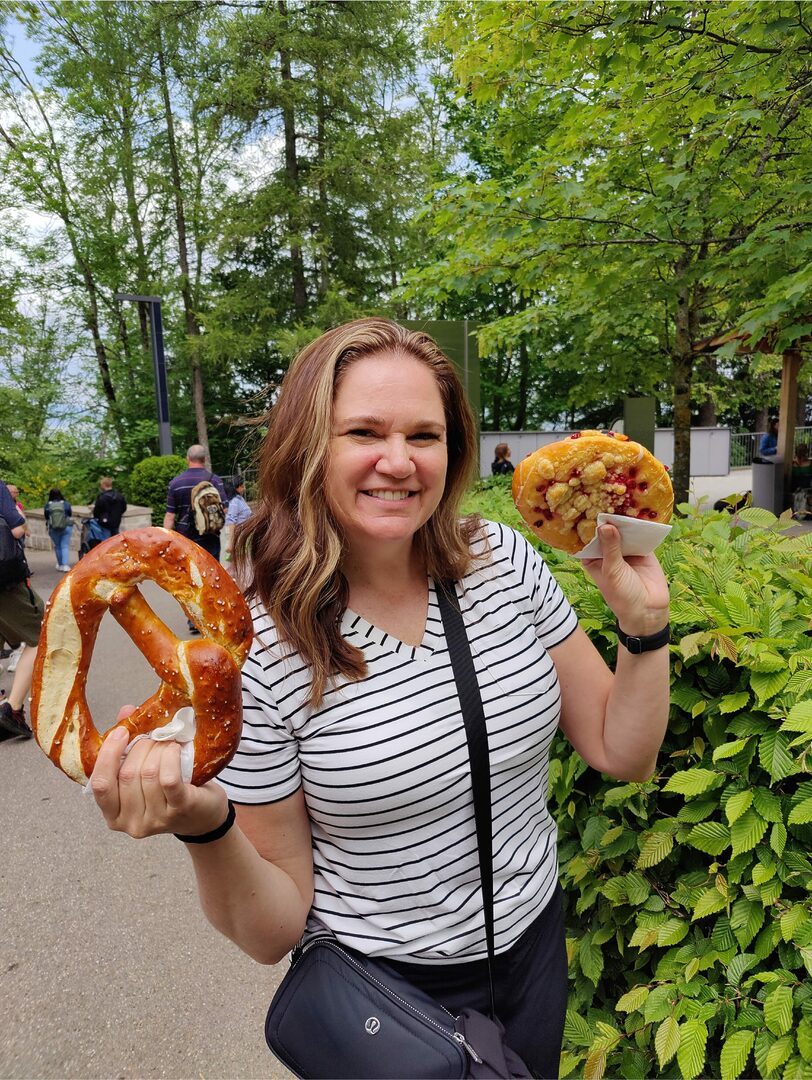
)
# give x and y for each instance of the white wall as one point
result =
(710, 448)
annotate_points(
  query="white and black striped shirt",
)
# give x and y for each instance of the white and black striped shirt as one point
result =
(384, 765)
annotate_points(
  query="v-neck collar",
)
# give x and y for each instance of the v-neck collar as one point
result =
(371, 638)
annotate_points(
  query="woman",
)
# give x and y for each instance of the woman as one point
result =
(501, 466)
(352, 779)
(59, 522)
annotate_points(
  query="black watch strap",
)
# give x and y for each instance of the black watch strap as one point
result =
(647, 643)
(215, 834)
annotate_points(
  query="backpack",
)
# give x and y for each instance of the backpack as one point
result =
(13, 564)
(208, 514)
(57, 518)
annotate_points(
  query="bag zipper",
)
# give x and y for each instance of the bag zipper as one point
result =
(457, 1036)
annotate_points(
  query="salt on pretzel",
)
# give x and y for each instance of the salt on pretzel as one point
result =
(203, 673)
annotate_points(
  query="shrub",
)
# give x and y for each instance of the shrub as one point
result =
(150, 479)
(689, 926)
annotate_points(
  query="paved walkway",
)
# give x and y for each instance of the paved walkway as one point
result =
(107, 966)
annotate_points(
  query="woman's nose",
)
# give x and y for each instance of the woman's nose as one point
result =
(396, 459)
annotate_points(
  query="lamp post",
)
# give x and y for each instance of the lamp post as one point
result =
(158, 364)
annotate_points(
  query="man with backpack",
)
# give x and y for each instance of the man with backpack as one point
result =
(21, 612)
(196, 502)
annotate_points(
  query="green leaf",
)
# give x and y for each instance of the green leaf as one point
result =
(773, 755)
(768, 804)
(737, 804)
(747, 831)
(792, 919)
(735, 1052)
(780, 1052)
(633, 999)
(654, 846)
(671, 932)
(666, 1041)
(691, 1052)
(733, 702)
(693, 782)
(778, 839)
(568, 1063)
(659, 1004)
(729, 750)
(739, 965)
(576, 1029)
(778, 1010)
(767, 684)
(746, 919)
(801, 814)
(805, 1039)
(712, 837)
(800, 717)
(590, 957)
(709, 903)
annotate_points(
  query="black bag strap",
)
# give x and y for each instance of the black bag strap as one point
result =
(476, 733)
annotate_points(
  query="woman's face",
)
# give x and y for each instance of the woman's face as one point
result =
(388, 452)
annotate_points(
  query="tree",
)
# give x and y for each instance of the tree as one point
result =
(658, 184)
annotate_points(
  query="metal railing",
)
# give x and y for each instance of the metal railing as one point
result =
(744, 446)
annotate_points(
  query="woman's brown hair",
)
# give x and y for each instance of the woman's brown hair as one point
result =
(291, 547)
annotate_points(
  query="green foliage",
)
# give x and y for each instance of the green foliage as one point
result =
(641, 182)
(689, 926)
(150, 479)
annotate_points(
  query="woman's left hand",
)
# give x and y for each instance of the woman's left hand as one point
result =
(634, 587)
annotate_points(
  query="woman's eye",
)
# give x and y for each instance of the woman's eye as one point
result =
(362, 433)
(425, 436)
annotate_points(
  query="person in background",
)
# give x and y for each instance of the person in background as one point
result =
(109, 507)
(352, 780)
(179, 514)
(21, 611)
(238, 511)
(501, 464)
(768, 443)
(15, 494)
(59, 520)
(801, 482)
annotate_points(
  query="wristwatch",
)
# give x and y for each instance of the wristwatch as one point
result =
(637, 644)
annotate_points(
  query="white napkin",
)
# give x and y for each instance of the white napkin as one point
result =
(182, 729)
(636, 537)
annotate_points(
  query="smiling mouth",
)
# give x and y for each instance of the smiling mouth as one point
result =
(389, 496)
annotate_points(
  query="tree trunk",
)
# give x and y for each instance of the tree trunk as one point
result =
(682, 359)
(707, 414)
(192, 325)
(524, 377)
(292, 174)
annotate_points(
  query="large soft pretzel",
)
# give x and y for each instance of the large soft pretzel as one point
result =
(203, 673)
(561, 488)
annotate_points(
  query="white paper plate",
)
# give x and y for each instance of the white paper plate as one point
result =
(636, 537)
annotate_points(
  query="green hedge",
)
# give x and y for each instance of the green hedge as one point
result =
(150, 479)
(689, 915)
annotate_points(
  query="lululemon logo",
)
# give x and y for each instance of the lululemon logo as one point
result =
(372, 1026)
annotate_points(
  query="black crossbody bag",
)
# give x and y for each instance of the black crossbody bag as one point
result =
(339, 1014)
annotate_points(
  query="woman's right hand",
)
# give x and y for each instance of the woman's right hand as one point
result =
(143, 793)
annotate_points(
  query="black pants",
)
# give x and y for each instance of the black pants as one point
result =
(530, 988)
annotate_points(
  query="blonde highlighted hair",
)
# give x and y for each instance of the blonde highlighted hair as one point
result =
(291, 547)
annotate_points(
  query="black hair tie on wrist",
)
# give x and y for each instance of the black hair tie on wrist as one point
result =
(637, 644)
(215, 834)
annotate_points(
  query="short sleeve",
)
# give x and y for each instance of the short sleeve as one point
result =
(553, 615)
(265, 767)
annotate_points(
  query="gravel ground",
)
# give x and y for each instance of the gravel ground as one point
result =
(107, 966)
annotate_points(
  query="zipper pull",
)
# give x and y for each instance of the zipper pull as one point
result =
(460, 1038)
